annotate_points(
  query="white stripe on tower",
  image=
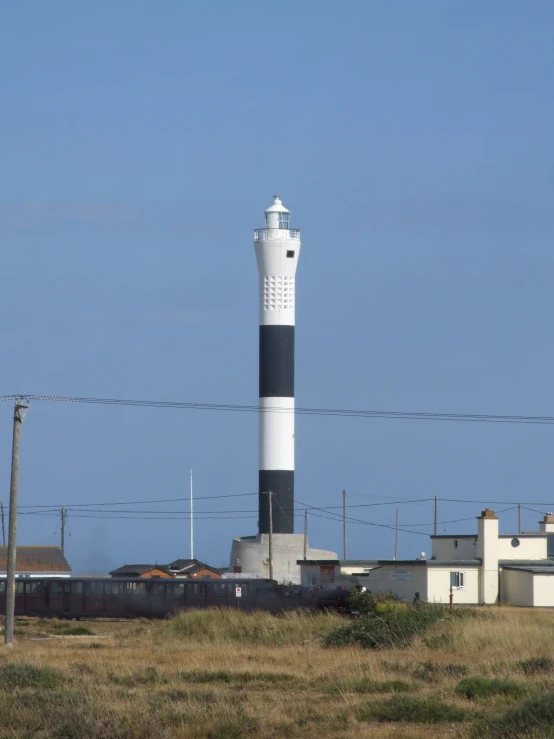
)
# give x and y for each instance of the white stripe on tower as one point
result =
(277, 249)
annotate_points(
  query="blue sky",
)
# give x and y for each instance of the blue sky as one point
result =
(141, 143)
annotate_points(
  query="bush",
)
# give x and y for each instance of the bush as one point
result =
(485, 687)
(536, 665)
(412, 709)
(366, 603)
(27, 676)
(533, 718)
(393, 629)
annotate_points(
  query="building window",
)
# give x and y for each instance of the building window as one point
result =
(515, 542)
(455, 543)
(284, 220)
(457, 579)
(290, 254)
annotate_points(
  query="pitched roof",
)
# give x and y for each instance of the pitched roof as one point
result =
(189, 566)
(36, 559)
(130, 570)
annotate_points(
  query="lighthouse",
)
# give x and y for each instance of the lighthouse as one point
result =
(277, 248)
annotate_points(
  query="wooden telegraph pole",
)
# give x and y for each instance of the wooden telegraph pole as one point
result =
(18, 415)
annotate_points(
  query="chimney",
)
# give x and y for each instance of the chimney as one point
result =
(546, 526)
(487, 552)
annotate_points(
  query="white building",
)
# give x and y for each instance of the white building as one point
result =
(488, 567)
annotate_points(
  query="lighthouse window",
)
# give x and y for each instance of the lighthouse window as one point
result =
(290, 254)
(284, 220)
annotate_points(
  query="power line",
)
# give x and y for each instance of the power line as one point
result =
(140, 502)
(339, 517)
(343, 412)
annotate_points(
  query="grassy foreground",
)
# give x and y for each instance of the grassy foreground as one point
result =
(225, 674)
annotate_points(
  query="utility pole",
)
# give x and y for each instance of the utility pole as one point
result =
(436, 522)
(63, 513)
(3, 526)
(270, 501)
(305, 534)
(396, 537)
(18, 415)
(344, 523)
(519, 518)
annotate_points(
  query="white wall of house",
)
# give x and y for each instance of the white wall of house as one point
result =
(438, 585)
(516, 587)
(529, 547)
(403, 581)
(543, 590)
(453, 547)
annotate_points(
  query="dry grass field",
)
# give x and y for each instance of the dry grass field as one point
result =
(226, 674)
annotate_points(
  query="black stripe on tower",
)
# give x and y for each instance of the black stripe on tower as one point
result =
(281, 484)
(276, 361)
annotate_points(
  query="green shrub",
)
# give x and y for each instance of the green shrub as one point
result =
(536, 665)
(533, 718)
(485, 687)
(393, 629)
(27, 676)
(365, 602)
(412, 709)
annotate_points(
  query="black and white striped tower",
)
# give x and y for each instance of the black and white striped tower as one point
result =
(277, 249)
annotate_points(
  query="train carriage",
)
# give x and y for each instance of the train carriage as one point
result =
(152, 598)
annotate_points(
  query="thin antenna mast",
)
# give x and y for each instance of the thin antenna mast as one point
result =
(191, 519)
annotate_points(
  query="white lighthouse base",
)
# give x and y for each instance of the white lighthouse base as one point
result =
(250, 556)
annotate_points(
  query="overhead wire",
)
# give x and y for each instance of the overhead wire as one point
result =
(342, 412)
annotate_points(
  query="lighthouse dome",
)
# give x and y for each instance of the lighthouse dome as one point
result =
(277, 216)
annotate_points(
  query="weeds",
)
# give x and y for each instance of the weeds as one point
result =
(533, 718)
(412, 709)
(536, 666)
(257, 628)
(363, 685)
(223, 676)
(27, 676)
(216, 675)
(484, 687)
(148, 676)
(74, 631)
(432, 672)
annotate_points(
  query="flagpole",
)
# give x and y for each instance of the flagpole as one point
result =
(191, 519)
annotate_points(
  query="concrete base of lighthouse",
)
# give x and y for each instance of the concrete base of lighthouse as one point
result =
(250, 556)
